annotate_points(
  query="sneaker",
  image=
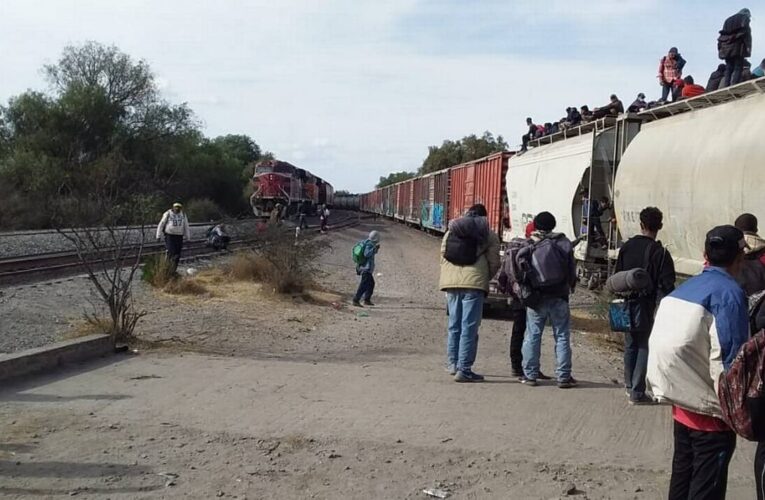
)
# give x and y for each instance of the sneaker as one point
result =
(468, 376)
(642, 400)
(451, 369)
(542, 376)
(567, 383)
(628, 393)
(529, 381)
(368, 303)
(357, 303)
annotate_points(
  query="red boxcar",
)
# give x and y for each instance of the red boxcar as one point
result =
(480, 181)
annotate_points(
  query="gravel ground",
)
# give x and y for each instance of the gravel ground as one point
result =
(258, 397)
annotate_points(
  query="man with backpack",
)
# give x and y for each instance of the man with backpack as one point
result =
(469, 260)
(751, 276)
(645, 252)
(545, 271)
(698, 331)
(364, 256)
(734, 45)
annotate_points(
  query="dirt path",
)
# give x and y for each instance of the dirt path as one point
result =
(339, 404)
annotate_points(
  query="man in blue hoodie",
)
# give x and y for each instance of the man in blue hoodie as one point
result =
(366, 270)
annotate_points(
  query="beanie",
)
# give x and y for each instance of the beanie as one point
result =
(544, 221)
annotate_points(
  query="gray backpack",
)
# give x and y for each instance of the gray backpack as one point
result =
(542, 265)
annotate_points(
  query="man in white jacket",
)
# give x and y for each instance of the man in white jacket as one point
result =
(175, 227)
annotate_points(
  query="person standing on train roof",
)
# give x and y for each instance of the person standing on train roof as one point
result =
(698, 331)
(469, 260)
(734, 45)
(670, 70)
(646, 252)
(174, 226)
(366, 269)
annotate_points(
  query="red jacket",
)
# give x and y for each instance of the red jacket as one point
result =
(692, 90)
(530, 228)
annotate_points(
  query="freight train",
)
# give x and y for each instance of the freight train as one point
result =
(699, 160)
(278, 182)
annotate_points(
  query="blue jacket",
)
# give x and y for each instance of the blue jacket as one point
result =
(699, 329)
(370, 250)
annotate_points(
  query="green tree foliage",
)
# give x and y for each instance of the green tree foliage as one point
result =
(468, 148)
(105, 131)
(394, 178)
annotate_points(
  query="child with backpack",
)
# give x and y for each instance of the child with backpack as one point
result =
(364, 257)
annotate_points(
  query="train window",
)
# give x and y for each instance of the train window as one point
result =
(263, 169)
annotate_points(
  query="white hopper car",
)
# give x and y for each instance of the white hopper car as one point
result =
(699, 161)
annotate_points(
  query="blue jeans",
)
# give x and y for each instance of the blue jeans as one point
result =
(465, 310)
(557, 311)
(366, 287)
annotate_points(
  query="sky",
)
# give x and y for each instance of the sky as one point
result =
(355, 89)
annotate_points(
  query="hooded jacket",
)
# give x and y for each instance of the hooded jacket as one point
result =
(478, 275)
(751, 277)
(735, 40)
(174, 223)
(698, 330)
(370, 250)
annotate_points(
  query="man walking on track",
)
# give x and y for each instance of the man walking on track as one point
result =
(469, 259)
(175, 227)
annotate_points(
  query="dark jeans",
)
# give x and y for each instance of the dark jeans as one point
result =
(516, 342)
(759, 470)
(366, 287)
(733, 68)
(525, 139)
(174, 245)
(668, 89)
(635, 363)
(700, 464)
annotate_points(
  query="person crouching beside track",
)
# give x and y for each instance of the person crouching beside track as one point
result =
(469, 259)
(366, 269)
(174, 225)
(698, 331)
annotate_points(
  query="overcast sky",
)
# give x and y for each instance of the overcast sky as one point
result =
(355, 89)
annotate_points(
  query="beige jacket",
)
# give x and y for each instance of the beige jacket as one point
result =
(476, 276)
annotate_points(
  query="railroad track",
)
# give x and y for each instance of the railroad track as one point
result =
(26, 268)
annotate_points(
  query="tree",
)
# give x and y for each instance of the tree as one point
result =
(105, 115)
(394, 178)
(468, 148)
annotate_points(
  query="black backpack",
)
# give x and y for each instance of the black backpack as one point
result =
(461, 251)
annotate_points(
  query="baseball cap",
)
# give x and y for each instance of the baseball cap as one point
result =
(723, 244)
(374, 236)
(177, 205)
(641, 95)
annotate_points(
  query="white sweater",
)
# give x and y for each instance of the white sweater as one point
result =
(174, 223)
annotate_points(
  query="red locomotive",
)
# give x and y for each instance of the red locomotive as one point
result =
(278, 182)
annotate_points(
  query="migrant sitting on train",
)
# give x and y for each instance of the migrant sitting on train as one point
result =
(278, 182)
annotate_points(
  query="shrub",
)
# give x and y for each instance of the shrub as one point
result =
(285, 264)
(185, 286)
(157, 271)
(202, 210)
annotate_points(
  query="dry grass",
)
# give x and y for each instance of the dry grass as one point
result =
(90, 325)
(281, 263)
(157, 271)
(185, 286)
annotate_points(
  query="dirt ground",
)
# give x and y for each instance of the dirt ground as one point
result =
(244, 395)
